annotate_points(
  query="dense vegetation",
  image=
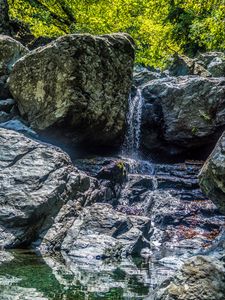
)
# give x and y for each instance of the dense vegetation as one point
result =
(159, 27)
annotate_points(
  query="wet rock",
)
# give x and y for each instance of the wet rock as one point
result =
(80, 83)
(7, 105)
(101, 277)
(19, 126)
(199, 278)
(189, 113)
(143, 75)
(36, 181)
(4, 117)
(115, 172)
(5, 256)
(4, 91)
(212, 175)
(101, 232)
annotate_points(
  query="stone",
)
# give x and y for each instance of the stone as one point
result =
(4, 117)
(217, 67)
(115, 172)
(184, 112)
(78, 82)
(102, 232)
(10, 51)
(212, 175)
(36, 180)
(5, 257)
(182, 65)
(143, 76)
(19, 126)
(199, 278)
(6, 105)
(4, 91)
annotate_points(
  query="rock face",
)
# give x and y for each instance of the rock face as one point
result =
(183, 65)
(102, 232)
(212, 176)
(78, 82)
(183, 112)
(35, 181)
(199, 278)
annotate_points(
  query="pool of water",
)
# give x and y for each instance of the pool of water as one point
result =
(30, 276)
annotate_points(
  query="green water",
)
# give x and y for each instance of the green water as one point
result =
(29, 276)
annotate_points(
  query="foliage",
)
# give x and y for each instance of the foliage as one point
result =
(159, 27)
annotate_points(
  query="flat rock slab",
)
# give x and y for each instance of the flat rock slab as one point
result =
(102, 232)
(199, 278)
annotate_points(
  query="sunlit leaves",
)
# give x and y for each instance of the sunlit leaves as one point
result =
(159, 27)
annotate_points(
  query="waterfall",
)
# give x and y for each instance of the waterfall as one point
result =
(132, 137)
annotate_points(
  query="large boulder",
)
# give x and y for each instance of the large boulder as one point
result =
(183, 112)
(36, 180)
(212, 175)
(78, 82)
(102, 232)
(199, 278)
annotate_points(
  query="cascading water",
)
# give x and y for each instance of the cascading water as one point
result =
(131, 144)
(132, 138)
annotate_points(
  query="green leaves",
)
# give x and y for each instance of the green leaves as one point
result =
(159, 27)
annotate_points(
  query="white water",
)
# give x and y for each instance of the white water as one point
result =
(130, 148)
(134, 116)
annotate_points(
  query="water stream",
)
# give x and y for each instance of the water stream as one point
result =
(133, 134)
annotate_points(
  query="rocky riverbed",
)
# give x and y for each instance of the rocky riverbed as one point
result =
(132, 223)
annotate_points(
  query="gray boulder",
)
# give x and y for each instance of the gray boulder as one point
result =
(182, 65)
(10, 51)
(199, 278)
(102, 232)
(214, 62)
(36, 180)
(212, 175)
(77, 82)
(186, 111)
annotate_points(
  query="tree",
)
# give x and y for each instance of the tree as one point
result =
(4, 18)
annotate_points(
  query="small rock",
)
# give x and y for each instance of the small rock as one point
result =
(7, 105)
(18, 126)
(199, 278)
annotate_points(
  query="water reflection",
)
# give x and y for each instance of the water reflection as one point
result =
(29, 276)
